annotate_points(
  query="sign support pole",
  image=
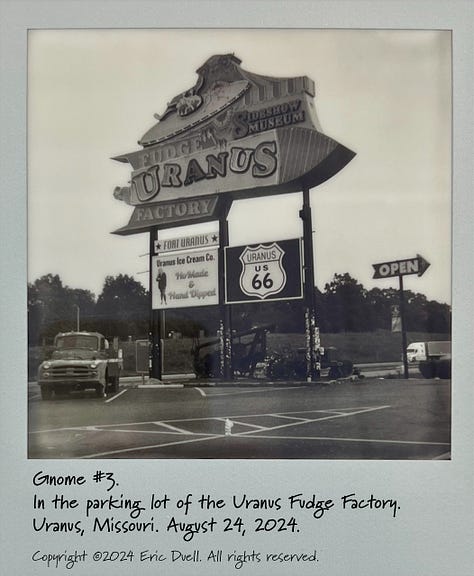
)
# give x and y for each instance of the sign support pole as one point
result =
(225, 320)
(155, 316)
(312, 339)
(402, 322)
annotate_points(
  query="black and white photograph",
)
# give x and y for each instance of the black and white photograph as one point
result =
(236, 291)
(277, 227)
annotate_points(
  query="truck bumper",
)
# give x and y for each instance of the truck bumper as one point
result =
(68, 385)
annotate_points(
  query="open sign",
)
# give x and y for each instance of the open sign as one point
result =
(416, 265)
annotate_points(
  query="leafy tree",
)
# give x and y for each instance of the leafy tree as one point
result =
(378, 307)
(322, 313)
(345, 304)
(52, 307)
(438, 317)
(415, 311)
(122, 307)
(427, 316)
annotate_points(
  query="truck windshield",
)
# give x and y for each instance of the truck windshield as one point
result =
(77, 341)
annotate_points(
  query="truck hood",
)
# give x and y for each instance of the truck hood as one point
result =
(79, 354)
(49, 364)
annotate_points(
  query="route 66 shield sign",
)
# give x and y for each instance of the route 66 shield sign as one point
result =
(262, 271)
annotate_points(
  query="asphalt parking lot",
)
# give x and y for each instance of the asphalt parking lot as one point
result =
(362, 419)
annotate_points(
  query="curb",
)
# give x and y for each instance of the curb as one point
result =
(153, 383)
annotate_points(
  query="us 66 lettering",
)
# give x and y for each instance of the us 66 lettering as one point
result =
(266, 281)
(276, 525)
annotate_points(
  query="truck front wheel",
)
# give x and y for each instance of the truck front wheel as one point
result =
(100, 391)
(113, 384)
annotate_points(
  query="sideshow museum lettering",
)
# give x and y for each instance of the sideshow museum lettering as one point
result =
(268, 118)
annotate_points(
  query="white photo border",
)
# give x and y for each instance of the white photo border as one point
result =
(444, 488)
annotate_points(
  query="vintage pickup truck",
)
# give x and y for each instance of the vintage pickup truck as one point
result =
(80, 361)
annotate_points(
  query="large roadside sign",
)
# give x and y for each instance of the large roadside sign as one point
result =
(232, 135)
(262, 272)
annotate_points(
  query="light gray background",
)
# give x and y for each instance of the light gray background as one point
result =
(433, 531)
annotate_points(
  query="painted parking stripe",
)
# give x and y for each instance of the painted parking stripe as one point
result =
(165, 423)
(145, 432)
(290, 417)
(179, 430)
(359, 410)
(200, 391)
(236, 392)
(252, 434)
(234, 421)
(333, 417)
(341, 439)
(114, 397)
(138, 448)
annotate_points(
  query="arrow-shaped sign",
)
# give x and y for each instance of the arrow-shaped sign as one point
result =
(416, 265)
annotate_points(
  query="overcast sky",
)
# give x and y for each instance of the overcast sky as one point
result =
(386, 95)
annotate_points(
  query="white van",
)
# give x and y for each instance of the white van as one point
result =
(416, 352)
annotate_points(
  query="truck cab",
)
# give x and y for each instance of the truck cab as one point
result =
(416, 352)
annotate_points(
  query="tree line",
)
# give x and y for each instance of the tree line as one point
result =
(122, 309)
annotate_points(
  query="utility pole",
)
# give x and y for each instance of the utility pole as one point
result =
(156, 367)
(311, 332)
(225, 320)
(402, 322)
(78, 315)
